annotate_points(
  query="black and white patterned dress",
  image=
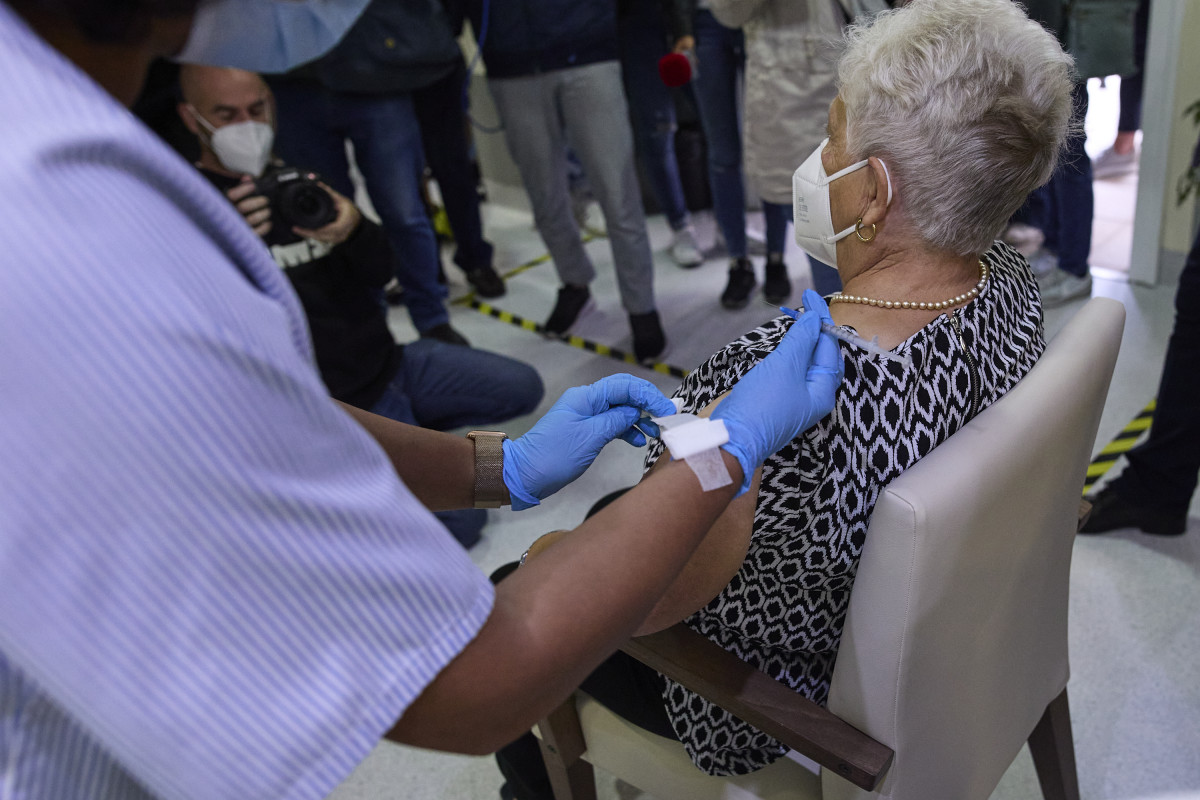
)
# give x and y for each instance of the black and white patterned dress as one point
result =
(783, 612)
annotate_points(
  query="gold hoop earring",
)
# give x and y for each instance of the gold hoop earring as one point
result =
(858, 229)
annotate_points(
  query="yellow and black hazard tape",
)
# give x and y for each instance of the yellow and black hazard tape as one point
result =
(574, 341)
(471, 301)
(1122, 444)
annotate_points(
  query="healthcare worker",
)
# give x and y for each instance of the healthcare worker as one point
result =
(215, 582)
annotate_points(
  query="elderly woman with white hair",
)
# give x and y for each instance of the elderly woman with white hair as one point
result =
(949, 112)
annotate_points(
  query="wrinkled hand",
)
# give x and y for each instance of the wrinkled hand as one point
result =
(568, 438)
(338, 231)
(254, 207)
(786, 393)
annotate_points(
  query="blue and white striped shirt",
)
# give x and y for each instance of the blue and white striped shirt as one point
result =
(212, 584)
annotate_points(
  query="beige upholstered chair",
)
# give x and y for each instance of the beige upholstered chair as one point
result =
(955, 647)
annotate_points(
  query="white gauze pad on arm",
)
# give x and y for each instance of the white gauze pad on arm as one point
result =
(697, 441)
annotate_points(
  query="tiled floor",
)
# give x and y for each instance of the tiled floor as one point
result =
(1135, 643)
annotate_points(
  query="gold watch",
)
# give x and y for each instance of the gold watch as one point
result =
(490, 491)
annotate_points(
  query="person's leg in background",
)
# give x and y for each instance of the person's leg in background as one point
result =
(777, 286)
(1064, 274)
(442, 386)
(642, 35)
(311, 132)
(593, 107)
(439, 108)
(1155, 489)
(387, 147)
(537, 144)
(721, 60)
(451, 386)
(1122, 157)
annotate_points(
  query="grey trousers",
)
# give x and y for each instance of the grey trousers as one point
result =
(585, 108)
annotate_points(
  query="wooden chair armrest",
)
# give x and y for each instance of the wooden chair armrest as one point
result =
(718, 675)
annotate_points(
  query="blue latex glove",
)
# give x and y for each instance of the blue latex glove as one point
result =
(568, 438)
(786, 393)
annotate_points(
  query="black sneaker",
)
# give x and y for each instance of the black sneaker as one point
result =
(741, 283)
(648, 338)
(776, 286)
(572, 300)
(1111, 511)
(486, 282)
(444, 333)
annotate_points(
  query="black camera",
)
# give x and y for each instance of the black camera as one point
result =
(296, 199)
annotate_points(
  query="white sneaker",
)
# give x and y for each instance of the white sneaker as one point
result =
(685, 251)
(1111, 164)
(1066, 288)
(1045, 268)
(755, 246)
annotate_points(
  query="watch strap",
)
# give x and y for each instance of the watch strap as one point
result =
(490, 491)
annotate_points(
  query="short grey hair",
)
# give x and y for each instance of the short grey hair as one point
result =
(969, 104)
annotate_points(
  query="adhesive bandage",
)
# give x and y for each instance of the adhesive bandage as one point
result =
(696, 441)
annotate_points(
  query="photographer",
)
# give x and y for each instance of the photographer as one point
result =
(338, 267)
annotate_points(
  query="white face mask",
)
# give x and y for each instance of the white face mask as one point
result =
(812, 215)
(267, 35)
(239, 146)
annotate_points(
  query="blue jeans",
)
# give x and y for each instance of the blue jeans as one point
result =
(721, 60)
(1063, 208)
(826, 279)
(442, 386)
(444, 136)
(314, 124)
(643, 37)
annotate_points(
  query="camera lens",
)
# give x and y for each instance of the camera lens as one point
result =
(306, 205)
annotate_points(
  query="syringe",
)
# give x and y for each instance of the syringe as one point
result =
(850, 337)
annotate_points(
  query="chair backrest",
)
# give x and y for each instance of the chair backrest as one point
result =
(956, 636)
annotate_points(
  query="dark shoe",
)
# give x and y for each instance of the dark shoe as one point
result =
(572, 300)
(648, 338)
(741, 284)
(776, 286)
(1110, 512)
(444, 333)
(486, 282)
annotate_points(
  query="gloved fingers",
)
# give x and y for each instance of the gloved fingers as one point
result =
(813, 302)
(800, 341)
(650, 427)
(827, 357)
(634, 437)
(626, 390)
(615, 423)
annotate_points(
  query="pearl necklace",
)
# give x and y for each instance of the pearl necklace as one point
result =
(838, 297)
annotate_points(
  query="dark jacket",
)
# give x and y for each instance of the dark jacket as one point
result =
(526, 37)
(395, 46)
(677, 15)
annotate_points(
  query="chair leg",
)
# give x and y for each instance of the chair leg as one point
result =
(571, 777)
(1053, 752)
